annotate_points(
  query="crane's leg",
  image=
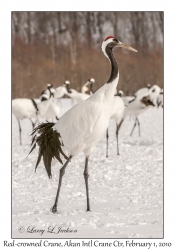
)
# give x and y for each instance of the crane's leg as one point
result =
(133, 127)
(20, 132)
(138, 126)
(33, 124)
(122, 120)
(62, 172)
(107, 137)
(86, 176)
(117, 139)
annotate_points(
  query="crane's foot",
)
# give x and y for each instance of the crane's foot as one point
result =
(88, 210)
(118, 154)
(54, 209)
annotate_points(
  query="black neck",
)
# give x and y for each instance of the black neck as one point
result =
(51, 94)
(118, 94)
(114, 65)
(91, 90)
(35, 104)
(68, 90)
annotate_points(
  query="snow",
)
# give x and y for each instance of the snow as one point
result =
(126, 191)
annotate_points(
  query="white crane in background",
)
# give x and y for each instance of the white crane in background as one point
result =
(28, 108)
(53, 109)
(78, 96)
(90, 82)
(60, 92)
(81, 126)
(143, 91)
(117, 113)
(153, 91)
(45, 95)
(135, 107)
(84, 88)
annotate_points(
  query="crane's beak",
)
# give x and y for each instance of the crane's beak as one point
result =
(122, 45)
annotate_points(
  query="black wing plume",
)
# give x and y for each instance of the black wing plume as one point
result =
(49, 145)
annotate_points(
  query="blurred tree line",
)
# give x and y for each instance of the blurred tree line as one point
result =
(51, 47)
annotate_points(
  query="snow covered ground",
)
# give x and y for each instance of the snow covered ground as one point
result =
(126, 191)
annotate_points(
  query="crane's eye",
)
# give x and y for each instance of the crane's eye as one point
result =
(116, 40)
(153, 90)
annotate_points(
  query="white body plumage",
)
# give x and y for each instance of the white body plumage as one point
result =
(77, 96)
(59, 92)
(23, 108)
(153, 92)
(118, 109)
(26, 108)
(133, 108)
(81, 126)
(52, 113)
(88, 120)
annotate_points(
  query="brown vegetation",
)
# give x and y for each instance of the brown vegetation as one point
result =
(36, 62)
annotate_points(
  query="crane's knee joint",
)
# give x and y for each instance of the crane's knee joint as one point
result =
(62, 171)
(86, 175)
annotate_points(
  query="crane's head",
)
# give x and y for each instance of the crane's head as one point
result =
(91, 80)
(110, 42)
(148, 85)
(120, 93)
(67, 82)
(49, 85)
(52, 92)
(154, 92)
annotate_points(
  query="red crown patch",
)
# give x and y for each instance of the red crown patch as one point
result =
(109, 37)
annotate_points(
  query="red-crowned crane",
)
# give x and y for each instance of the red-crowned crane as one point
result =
(78, 96)
(28, 108)
(53, 109)
(60, 92)
(81, 126)
(90, 82)
(153, 92)
(136, 107)
(45, 95)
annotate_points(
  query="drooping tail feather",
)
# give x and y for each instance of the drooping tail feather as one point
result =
(49, 145)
